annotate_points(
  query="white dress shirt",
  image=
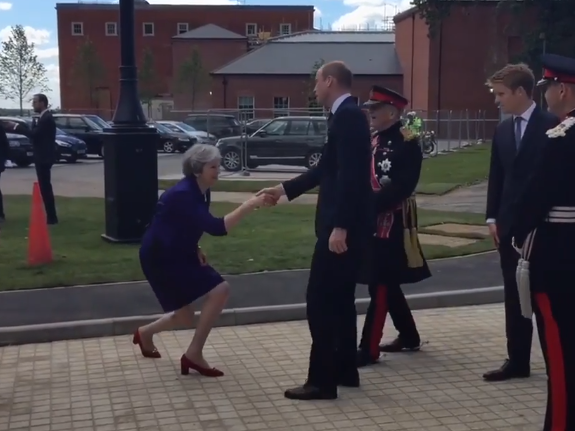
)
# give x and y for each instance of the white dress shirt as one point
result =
(525, 117)
(338, 102)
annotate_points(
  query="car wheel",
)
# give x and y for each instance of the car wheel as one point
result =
(23, 163)
(313, 159)
(231, 161)
(169, 147)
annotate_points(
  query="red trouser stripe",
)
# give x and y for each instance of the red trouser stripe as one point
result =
(558, 390)
(379, 316)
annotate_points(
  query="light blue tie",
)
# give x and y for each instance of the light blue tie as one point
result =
(518, 121)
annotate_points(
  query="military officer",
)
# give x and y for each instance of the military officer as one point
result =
(544, 234)
(395, 253)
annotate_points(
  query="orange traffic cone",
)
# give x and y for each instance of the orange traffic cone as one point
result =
(39, 248)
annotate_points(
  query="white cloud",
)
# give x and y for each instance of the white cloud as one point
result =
(370, 14)
(5, 6)
(36, 36)
(317, 13)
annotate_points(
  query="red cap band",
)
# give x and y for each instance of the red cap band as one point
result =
(387, 99)
(567, 79)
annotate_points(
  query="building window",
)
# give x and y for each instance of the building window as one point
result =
(281, 106)
(77, 29)
(183, 27)
(111, 29)
(148, 28)
(246, 105)
(285, 29)
(251, 29)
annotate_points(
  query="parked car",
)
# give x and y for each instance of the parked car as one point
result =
(295, 141)
(98, 120)
(179, 127)
(220, 125)
(21, 150)
(68, 147)
(255, 125)
(83, 128)
(171, 141)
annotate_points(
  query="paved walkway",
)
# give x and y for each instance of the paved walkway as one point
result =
(104, 385)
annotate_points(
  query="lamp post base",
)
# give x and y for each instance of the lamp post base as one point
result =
(130, 182)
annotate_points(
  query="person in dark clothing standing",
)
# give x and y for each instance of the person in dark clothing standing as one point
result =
(43, 137)
(516, 147)
(4, 150)
(342, 227)
(543, 229)
(396, 256)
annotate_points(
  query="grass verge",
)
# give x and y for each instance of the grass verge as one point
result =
(439, 175)
(269, 239)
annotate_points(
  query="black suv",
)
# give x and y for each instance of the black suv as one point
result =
(83, 128)
(295, 141)
(219, 125)
(21, 151)
(254, 125)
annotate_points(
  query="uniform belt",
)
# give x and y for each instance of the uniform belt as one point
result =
(561, 215)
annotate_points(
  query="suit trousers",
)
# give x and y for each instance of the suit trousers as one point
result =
(44, 175)
(553, 307)
(2, 215)
(331, 314)
(518, 329)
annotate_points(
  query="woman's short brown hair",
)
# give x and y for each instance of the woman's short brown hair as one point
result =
(514, 76)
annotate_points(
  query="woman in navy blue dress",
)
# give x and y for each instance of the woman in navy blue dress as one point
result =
(175, 265)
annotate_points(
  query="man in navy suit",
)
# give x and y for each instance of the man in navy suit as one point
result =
(516, 148)
(342, 226)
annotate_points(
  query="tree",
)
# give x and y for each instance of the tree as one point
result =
(20, 71)
(192, 77)
(147, 79)
(88, 71)
(552, 30)
(314, 107)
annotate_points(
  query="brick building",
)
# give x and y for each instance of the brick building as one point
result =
(161, 29)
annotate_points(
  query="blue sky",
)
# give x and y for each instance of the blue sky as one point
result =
(39, 19)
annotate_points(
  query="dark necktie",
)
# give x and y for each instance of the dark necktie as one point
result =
(518, 121)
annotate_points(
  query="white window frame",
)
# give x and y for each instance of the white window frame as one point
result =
(248, 24)
(281, 112)
(282, 25)
(144, 24)
(247, 114)
(81, 24)
(182, 25)
(115, 24)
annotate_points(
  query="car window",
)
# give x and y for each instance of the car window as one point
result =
(171, 127)
(320, 127)
(298, 127)
(61, 122)
(276, 127)
(198, 123)
(98, 120)
(77, 123)
(186, 127)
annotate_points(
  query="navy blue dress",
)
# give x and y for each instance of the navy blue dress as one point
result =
(169, 251)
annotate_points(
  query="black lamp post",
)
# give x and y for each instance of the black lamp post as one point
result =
(130, 150)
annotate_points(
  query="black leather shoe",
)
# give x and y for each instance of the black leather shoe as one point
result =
(348, 381)
(399, 345)
(308, 393)
(506, 372)
(52, 221)
(364, 359)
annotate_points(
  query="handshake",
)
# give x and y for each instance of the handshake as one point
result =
(267, 197)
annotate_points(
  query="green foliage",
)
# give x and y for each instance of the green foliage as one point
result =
(192, 77)
(147, 79)
(314, 107)
(88, 71)
(20, 71)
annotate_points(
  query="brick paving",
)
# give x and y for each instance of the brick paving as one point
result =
(104, 385)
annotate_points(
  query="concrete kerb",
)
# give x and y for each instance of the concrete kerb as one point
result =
(28, 334)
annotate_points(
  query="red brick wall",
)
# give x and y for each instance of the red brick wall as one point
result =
(165, 25)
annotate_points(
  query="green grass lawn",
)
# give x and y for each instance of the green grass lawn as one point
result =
(439, 175)
(269, 239)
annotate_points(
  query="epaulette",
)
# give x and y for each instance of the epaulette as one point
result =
(560, 130)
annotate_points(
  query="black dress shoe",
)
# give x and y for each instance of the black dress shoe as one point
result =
(506, 372)
(309, 392)
(364, 359)
(52, 221)
(348, 381)
(399, 345)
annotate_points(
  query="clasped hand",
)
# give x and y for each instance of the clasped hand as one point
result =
(269, 197)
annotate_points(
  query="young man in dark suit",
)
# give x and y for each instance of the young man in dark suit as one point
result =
(343, 226)
(516, 148)
(4, 149)
(43, 137)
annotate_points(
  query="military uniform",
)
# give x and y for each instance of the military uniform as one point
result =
(394, 256)
(544, 233)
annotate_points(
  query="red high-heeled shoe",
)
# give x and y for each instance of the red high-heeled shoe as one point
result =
(137, 340)
(187, 365)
